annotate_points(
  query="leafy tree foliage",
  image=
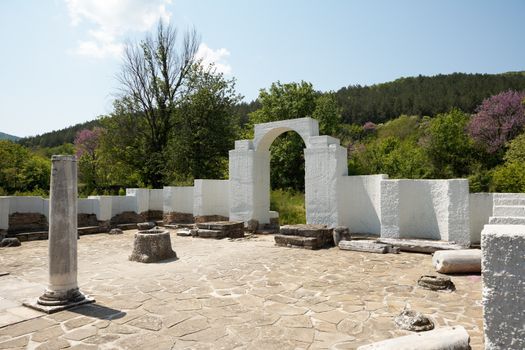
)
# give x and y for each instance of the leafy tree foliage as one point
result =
(153, 82)
(449, 147)
(499, 119)
(206, 126)
(510, 177)
(22, 171)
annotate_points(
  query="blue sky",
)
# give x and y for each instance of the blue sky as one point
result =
(59, 57)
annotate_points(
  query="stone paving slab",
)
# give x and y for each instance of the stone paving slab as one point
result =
(245, 294)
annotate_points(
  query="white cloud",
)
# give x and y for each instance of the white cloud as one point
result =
(112, 19)
(216, 57)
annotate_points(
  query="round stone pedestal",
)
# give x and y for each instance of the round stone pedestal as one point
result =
(151, 246)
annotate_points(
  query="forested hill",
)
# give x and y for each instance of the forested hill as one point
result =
(423, 95)
(57, 137)
(4, 136)
(377, 103)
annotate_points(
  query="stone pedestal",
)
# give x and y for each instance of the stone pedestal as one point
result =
(152, 246)
(62, 291)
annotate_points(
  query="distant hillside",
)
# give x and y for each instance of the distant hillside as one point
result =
(4, 136)
(419, 95)
(423, 95)
(57, 137)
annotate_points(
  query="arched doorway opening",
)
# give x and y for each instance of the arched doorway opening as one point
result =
(249, 170)
(287, 178)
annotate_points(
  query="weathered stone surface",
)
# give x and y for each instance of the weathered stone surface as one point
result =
(27, 222)
(367, 246)
(252, 225)
(503, 263)
(126, 218)
(410, 320)
(457, 261)
(341, 233)
(62, 290)
(305, 236)
(53, 344)
(436, 282)
(210, 218)
(220, 229)
(152, 246)
(10, 242)
(298, 242)
(115, 231)
(217, 234)
(184, 232)
(420, 245)
(85, 220)
(177, 218)
(143, 226)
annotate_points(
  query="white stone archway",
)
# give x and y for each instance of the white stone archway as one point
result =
(249, 167)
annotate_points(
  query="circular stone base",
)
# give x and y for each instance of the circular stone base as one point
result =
(436, 283)
(51, 298)
(151, 246)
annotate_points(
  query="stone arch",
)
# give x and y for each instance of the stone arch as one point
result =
(249, 167)
(266, 133)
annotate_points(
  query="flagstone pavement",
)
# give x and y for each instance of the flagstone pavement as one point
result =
(227, 294)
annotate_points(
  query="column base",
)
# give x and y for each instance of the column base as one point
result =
(51, 302)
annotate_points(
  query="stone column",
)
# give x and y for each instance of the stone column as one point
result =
(62, 290)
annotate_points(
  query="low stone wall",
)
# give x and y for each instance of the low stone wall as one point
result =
(27, 222)
(177, 218)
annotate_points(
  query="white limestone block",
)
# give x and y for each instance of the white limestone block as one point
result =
(503, 280)
(445, 338)
(457, 261)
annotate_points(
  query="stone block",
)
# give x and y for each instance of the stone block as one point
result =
(421, 245)
(143, 226)
(341, 233)
(10, 242)
(298, 241)
(321, 236)
(445, 338)
(220, 229)
(367, 246)
(457, 261)
(116, 231)
(503, 281)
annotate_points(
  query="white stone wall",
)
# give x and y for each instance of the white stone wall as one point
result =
(156, 199)
(361, 203)
(141, 199)
(480, 207)
(425, 209)
(87, 206)
(210, 197)
(503, 278)
(27, 204)
(178, 199)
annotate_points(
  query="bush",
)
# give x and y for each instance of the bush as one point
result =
(290, 205)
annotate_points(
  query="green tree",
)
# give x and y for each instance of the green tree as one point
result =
(449, 147)
(21, 171)
(510, 177)
(206, 126)
(153, 82)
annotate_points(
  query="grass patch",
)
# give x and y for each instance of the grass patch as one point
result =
(290, 205)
